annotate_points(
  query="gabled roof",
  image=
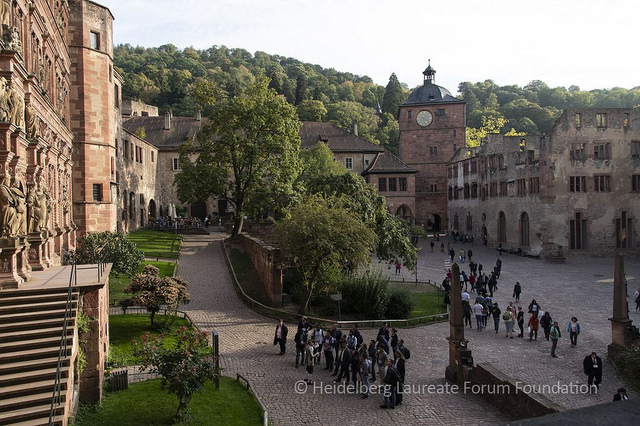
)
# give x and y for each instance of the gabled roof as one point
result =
(387, 163)
(181, 129)
(337, 139)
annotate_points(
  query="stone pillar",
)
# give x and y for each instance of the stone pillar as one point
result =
(459, 355)
(14, 267)
(39, 253)
(620, 322)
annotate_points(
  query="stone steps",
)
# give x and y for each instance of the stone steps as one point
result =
(31, 323)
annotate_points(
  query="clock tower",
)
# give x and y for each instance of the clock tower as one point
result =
(432, 128)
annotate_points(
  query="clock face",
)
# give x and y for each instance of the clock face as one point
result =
(424, 118)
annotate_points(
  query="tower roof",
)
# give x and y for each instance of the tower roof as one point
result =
(430, 92)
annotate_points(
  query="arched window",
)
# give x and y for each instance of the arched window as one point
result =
(524, 229)
(502, 228)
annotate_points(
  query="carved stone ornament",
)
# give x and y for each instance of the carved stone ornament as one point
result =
(8, 204)
(16, 103)
(32, 122)
(5, 95)
(11, 38)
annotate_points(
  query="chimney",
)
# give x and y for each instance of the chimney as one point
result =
(355, 128)
(167, 120)
(198, 115)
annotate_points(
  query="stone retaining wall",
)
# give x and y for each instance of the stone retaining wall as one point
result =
(507, 394)
(265, 260)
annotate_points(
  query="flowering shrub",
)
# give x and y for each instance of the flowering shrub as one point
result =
(184, 368)
(152, 291)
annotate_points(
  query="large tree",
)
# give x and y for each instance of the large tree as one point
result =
(249, 150)
(320, 236)
(362, 199)
(393, 96)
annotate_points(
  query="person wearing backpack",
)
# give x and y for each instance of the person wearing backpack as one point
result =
(509, 322)
(554, 332)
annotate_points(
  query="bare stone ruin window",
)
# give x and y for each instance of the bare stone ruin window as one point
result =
(94, 40)
(624, 231)
(578, 232)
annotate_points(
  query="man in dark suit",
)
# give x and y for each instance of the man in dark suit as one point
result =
(281, 336)
(621, 395)
(592, 365)
(344, 359)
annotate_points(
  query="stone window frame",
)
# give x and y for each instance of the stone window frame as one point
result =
(602, 183)
(577, 184)
(382, 184)
(94, 40)
(402, 184)
(175, 164)
(97, 192)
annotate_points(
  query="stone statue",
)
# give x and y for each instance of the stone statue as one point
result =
(5, 94)
(35, 208)
(32, 120)
(19, 226)
(5, 13)
(43, 200)
(16, 104)
(7, 208)
(11, 38)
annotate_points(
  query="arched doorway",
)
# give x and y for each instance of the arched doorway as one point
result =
(434, 223)
(404, 212)
(524, 229)
(152, 209)
(199, 210)
(502, 228)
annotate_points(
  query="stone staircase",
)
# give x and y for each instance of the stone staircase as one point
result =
(30, 331)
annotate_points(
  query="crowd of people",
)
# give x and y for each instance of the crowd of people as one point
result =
(348, 358)
(482, 308)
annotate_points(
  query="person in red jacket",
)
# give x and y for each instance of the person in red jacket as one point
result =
(534, 325)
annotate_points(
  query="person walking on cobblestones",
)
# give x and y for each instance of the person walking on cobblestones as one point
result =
(281, 336)
(517, 289)
(534, 325)
(372, 357)
(554, 332)
(466, 312)
(509, 321)
(391, 381)
(477, 310)
(381, 361)
(592, 366)
(495, 312)
(520, 318)
(574, 329)
(546, 322)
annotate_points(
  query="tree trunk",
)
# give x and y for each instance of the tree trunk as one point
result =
(153, 317)
(304, 303)
(237, 225)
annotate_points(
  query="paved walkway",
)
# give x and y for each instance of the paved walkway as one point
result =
(580, 287)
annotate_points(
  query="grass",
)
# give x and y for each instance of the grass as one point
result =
(125, 328)
(144, 403)
(427, 299)
(156, 243)
(118, 283)
(247, 275)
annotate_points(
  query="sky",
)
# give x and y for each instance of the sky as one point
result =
(587, 43)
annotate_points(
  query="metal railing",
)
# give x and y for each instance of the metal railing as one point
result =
(265, 416)
(56, 398)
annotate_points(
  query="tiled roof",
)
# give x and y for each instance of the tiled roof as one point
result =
(388, 163)
(337, 139)
(181, 129)
(430, 93)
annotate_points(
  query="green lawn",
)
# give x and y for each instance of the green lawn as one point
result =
(144, 403)
(157, 243)
(125, 328)
(118, 283)
(426, 297)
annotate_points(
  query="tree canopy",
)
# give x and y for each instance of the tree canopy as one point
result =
(248, 154)
(322, 235)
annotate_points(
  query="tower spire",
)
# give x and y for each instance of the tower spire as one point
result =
(429, 74)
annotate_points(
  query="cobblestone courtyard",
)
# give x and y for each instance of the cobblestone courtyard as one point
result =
(580, 287)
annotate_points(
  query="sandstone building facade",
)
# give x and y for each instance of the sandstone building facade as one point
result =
(432, 128)
(575, 190)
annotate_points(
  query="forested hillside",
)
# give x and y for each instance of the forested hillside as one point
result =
(164, 76)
